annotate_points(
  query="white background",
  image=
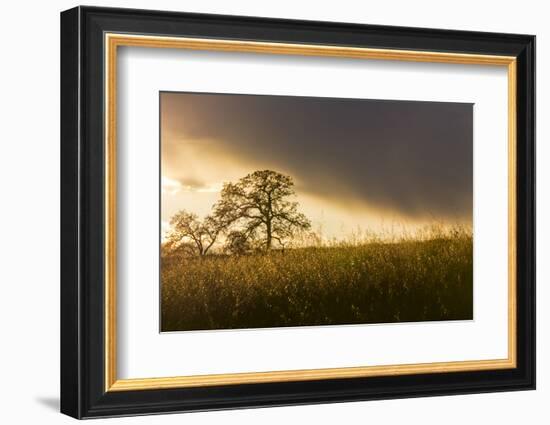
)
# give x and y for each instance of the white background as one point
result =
(29, 225)
(145, 72)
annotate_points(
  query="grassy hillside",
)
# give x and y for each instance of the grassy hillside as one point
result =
(370, 282)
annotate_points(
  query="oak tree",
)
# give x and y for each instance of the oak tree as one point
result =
(260, 207)
(189, 233)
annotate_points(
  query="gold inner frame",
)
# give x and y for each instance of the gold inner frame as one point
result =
(113, 41)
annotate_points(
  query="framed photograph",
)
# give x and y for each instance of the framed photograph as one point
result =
(261, 212)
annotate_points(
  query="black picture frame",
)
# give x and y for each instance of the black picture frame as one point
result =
(83, 392)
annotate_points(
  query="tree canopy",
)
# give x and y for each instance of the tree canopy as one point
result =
(259, 206)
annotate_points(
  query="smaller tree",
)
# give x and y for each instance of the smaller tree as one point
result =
(188, 232)
(237, 243)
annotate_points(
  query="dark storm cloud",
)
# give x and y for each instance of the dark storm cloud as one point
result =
(414, 158)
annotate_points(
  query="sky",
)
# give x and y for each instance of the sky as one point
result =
(357, 164)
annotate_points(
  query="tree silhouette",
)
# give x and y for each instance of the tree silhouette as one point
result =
(190, 234)
(258, 207)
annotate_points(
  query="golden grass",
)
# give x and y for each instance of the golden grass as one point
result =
(426, 276)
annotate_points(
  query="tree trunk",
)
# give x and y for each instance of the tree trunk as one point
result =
(268, 217)
(268, 238)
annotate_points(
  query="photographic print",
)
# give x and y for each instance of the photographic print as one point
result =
(324, 197)
(281, 211)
